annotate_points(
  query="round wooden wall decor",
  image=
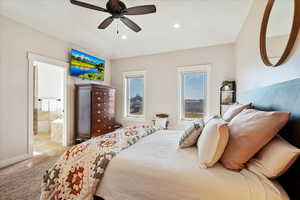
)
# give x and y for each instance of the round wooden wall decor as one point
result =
(291, 38)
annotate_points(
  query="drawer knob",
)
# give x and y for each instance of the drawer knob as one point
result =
(98, 111)
(98, 98)
(98, 131)
(98, 120)
(99, 104)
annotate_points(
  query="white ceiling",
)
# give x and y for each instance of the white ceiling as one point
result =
(203, 23)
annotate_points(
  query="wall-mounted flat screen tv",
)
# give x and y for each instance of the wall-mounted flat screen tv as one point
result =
(86, 66)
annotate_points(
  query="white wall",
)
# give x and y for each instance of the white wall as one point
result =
(250, 70)
(16, 40)
(162, 78)
(50, 81)
(276, 46)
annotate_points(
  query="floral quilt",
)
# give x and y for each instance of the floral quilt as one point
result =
(75, 176)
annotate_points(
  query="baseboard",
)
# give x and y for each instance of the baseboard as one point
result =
(5, 163)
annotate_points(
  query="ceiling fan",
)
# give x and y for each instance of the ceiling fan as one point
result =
(118, 10)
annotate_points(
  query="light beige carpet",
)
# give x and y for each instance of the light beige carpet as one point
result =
(22, 181)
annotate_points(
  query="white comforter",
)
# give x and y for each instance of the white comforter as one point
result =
(156, 169)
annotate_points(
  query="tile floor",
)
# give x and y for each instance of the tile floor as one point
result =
(44, 145)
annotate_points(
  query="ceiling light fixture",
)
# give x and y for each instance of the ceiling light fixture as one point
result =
(177, 26)
(123, 37)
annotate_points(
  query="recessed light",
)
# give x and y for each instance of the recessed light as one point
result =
(123, 37)
(176, 26)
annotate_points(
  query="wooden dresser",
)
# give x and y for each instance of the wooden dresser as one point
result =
(94, 111)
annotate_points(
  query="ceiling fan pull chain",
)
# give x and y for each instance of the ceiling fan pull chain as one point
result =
(118, 27)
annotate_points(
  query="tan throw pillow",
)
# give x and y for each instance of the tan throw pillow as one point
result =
(249, 132)
(212, 142)
(190, 135)
(274, 159)
(234, 110)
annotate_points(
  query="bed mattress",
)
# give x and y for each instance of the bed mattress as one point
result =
(156, 169)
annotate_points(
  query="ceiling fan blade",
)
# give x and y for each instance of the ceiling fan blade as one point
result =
(87, 5)
(140, 10)
(106, 23)
(128, 22)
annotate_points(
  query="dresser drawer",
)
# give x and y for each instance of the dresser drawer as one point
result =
(100, 120)
(103, 109)
(101, 99)
(102, 129)
(104, 93)
(100, 109)
(101, 105)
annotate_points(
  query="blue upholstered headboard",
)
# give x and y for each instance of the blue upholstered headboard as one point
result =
(282, 97)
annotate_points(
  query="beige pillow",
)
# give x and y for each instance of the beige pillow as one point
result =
(234, 110)
(191, 134)
(274, 159)
(212, 142)
(249, 132)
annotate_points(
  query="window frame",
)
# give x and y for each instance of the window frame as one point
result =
(126, 115)
(189, 70)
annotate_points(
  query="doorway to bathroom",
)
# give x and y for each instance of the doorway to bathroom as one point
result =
(48, 105)
(49, 113)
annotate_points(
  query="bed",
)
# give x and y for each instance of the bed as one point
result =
(141, 163)
(155, 168)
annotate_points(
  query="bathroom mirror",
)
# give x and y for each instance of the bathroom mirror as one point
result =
(279, 30)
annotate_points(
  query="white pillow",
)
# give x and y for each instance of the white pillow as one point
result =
(212, 142)
(234, 110)
(161, 123)
(207, 118)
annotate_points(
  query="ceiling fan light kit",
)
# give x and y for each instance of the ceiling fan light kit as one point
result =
(118, 10)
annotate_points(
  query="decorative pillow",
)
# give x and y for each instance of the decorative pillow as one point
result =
(161, 123)
(191, 134)
(234, 110)
(249, 132)
(206, 119)
(212, 142)
(274, 159)
(198, 122)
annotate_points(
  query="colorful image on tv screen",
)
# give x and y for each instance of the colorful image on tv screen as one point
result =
(86, 66)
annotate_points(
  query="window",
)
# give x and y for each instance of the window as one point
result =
(193, 92)
(134, 94)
